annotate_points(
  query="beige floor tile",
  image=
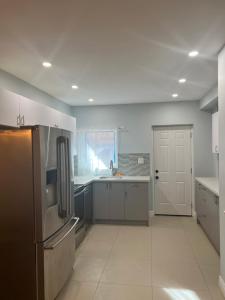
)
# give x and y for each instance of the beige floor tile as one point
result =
(211, 275)
(132, 250)
(197, 239)
(105, 233)
(169, 235)
(98, 249)
(216, 293)
(126, 271)
(77, 291)
(182, 276)
(170, 244)
(166, 221)
(176, 254)
(123, 292)
(180, 294)
(173, 253)
(205, 254)
(195, 235)
(188, 220)
(88, 269)
(135, 231)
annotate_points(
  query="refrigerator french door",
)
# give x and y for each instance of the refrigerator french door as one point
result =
(36, 214)
(52, 174)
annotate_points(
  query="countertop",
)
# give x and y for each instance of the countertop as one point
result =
(211, 183)
(86, 180)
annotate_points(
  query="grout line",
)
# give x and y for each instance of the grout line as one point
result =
(104, 268)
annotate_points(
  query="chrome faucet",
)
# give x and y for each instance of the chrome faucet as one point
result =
(111, 166)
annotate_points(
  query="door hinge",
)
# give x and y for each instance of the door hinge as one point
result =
(191, 135)
(191, 170)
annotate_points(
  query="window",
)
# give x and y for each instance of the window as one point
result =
(95, 150)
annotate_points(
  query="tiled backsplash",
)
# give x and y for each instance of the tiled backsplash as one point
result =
(128, 164)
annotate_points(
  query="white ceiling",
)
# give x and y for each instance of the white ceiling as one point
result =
(117, 51)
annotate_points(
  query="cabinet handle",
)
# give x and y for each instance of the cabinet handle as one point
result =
(18, 120)
(22, 120)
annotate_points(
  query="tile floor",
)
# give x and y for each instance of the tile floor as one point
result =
(170, 260)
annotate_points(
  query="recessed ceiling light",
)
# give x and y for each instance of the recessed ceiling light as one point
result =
(193, 53)
(175, 95)
(46, 64)
(91, 100)
(75, 87)
(182, 80)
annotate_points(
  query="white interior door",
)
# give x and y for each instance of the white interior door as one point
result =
(173, 170)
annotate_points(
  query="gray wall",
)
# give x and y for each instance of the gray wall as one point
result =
(18, 86)
(137, 121)
(221, 97)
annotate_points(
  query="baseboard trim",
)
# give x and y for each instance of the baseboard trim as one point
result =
(151, 213)
(194, 214)
(222, 285)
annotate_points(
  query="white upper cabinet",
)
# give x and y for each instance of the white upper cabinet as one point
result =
(33, 113)
(215, 132)
(67, 122)
(16, 110)
(9, 108)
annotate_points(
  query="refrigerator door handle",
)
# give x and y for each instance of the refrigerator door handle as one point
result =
(59, 178)
(61, 166)
(68, 190)
(53, 246)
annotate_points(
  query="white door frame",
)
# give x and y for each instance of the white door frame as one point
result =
(192, 163)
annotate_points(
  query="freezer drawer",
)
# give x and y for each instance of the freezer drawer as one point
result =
(59, 256)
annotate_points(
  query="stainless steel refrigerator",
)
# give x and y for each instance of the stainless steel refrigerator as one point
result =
(37, 226)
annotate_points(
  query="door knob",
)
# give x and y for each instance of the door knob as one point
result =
(157, 177)
(157, 171)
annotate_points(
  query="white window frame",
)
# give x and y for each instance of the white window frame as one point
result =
(115, 131)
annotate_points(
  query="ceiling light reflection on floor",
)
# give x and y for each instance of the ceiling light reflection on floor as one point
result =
(181, 294)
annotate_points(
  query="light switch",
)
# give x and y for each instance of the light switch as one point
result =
(140, 160)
